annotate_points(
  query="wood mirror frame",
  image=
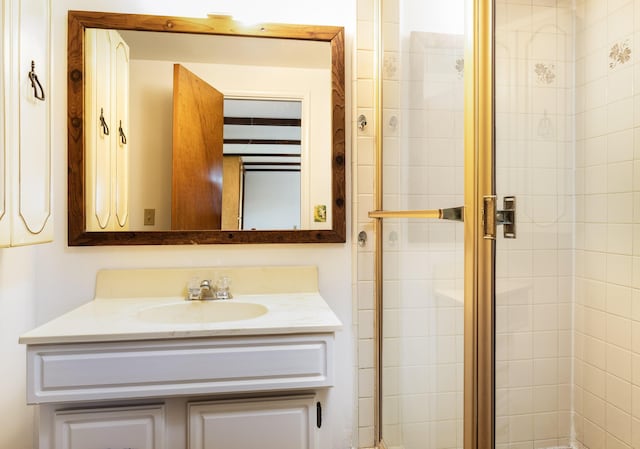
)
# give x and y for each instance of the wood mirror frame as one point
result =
(217, 25)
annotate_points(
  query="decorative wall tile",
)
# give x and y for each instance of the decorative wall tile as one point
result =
(390, 66)
(545, 73)
(619, 54)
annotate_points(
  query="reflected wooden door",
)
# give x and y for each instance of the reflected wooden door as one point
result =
(198, 121)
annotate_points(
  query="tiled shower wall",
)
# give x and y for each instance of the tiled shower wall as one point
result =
(607, 338)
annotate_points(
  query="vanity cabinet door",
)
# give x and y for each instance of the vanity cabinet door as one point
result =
(264, 423)
(107, 128)
(114, 428)
(25, 171)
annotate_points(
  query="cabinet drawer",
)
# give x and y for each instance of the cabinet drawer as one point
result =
(131, 427)
(78, 372)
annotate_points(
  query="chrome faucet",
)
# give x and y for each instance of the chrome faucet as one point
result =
(207, 292)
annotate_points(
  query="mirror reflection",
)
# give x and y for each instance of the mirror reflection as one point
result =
(262, 160)
(213, 138)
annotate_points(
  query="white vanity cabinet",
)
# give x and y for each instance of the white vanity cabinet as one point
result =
(107, 128)
(117, 428)
(268, 423)
(25, 118)
(288, 420)
(222, 380)
(276, 383)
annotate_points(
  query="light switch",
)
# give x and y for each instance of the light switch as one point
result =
(149, 217)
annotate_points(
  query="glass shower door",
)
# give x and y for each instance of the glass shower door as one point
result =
(534, 119)
(421, 124)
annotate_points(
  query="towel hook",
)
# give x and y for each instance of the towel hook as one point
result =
(35, 83)
(123, 137)
(103, 123)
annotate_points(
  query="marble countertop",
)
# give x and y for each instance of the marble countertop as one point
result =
(103, 320)
(289, 294)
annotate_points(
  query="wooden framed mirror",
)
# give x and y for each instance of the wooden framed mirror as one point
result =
(323, 219)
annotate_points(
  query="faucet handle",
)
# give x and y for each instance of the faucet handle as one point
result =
(193, 289)
(223, 288)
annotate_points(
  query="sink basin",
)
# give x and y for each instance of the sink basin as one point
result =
(202, 312)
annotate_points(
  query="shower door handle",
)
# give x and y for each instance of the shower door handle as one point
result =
(491, 217)
(452, 213)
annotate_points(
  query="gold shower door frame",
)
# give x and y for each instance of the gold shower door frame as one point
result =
(479, 252)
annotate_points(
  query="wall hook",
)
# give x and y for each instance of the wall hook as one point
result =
(35, 83)
(362, 122)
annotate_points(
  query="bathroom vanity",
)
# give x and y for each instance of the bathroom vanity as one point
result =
(142, 367)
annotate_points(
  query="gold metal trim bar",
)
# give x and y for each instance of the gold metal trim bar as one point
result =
(453, 213)
(434, 213)
(378, 226)
(479, 300)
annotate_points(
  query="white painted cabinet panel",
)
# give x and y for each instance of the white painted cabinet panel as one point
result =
(26, 196)
(134, 427)
(107, 126)
(267, 423)
(5, 219)
(160, 368)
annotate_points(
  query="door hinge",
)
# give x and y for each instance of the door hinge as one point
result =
(492, 217)
(318, 414)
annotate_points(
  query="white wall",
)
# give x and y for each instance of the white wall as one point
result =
(39, 283)
(18, 287)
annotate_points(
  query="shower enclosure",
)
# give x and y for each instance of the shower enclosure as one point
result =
(525, 112)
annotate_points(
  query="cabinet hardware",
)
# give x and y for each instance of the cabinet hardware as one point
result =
(318, 415)
(123, 137)
(103, 123)
(35, 83)
(452, 213)
(493, 217)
